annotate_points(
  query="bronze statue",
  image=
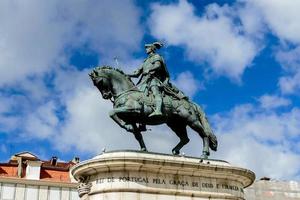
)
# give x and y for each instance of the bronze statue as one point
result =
(154, 100)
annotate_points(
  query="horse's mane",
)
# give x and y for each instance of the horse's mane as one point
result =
(115, 69)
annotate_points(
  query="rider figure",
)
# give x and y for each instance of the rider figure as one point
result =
(154, 76)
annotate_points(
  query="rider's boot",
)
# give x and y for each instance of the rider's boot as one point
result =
(157, 112)
(158, 103)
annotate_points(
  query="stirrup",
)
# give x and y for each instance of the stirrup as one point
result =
(156, 114)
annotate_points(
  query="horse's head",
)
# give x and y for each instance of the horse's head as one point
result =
(101, 80)
(110, 81)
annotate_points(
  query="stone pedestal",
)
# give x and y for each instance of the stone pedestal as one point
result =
(130, 175)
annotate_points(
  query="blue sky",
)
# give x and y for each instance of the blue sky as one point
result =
(239, 59)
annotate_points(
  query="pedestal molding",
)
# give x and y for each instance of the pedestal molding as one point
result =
(135, 175)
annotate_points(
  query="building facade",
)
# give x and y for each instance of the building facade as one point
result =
(26, 177)
(266, 189)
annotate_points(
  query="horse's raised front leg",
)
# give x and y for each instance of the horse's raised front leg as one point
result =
(114, 115)
(129, 127)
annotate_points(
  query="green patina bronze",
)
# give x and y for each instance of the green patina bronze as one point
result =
(154, 100)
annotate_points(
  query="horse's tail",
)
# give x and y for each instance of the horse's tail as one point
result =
(213, 142)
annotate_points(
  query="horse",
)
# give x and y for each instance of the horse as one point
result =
(132, 107)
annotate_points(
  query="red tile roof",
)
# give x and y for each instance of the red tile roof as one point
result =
(49, 172)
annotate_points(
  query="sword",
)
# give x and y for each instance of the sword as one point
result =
(116, 60)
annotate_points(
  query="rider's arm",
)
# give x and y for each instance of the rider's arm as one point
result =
(137, 72)
(156, 65)
(167, 80)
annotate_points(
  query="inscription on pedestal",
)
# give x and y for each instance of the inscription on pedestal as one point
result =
(173, 182)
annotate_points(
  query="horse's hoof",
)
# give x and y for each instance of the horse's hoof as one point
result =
(144, 149)
(204, 156)
(175, 152)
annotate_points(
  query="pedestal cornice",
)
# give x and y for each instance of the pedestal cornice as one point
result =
(152, 173)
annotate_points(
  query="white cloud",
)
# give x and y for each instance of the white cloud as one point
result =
(290, 61)
(8, 107)
(41, 123)
(260, 140)
(187, 83)
(272, 101)
(30, 39)
(36, 40)
(252, 20)
(290, 84)
(282, 17)
(87, 126)
(211, 38)
(35, 36)
(215, 37)
(112, 28)
(5, 104)
(8, 123)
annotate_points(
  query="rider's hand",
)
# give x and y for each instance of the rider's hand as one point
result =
(166, 81)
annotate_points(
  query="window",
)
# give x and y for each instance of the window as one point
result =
(33, 170)
(74, 195)
(8, 191)
(32, 193)
(54, 193)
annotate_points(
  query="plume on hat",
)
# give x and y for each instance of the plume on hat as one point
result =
(158, 45)
(155, 45)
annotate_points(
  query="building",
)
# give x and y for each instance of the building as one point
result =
(26, 177)
(266, 189)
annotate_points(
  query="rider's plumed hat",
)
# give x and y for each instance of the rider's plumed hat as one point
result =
(155, 45)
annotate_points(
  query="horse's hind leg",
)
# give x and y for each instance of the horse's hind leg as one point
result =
(206, 152)
(181, 132)
(196, 126)
(138, 136)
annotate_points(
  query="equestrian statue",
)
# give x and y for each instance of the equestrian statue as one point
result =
(152, 101)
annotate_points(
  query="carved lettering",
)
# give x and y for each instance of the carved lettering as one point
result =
(195, 184)
(134, 179)
(161, 181)
(110, 179)
(100, 180)
(179, 182)
(230, 187)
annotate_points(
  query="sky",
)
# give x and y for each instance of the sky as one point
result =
(238, 59)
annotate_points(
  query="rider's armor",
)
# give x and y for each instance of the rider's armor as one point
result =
(154, 74)
(155, 78)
